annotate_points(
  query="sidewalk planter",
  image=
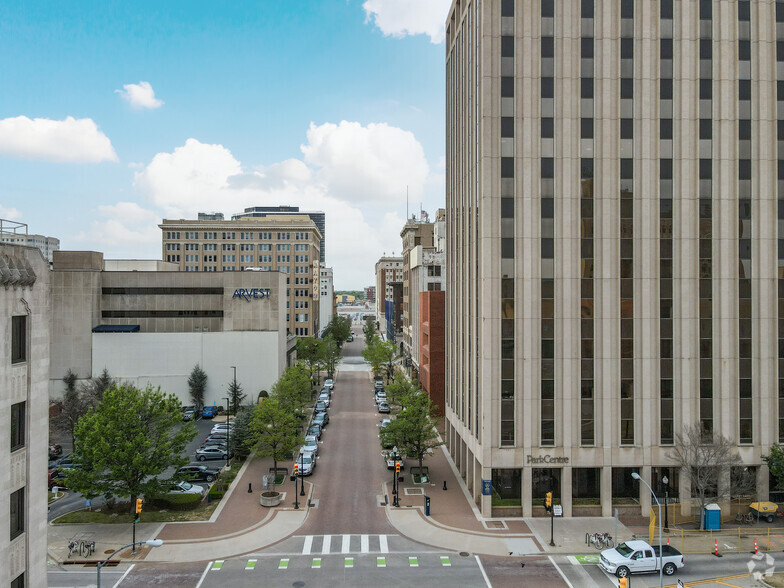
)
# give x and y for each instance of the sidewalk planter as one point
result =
(270, 498)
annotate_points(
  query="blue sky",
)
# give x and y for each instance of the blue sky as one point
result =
(115, 115)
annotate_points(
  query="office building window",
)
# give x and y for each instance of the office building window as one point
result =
(18, 339)
(18, 419)
(17, 513)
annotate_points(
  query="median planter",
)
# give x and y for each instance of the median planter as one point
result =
(270, 498)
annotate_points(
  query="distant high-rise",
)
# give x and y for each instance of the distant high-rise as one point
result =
(15, 232)
(317, 217)
(615, 257)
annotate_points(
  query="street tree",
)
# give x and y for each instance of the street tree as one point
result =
(292, 390)
(373, 352)
(775, 461)
(340, 328)
(274, 431)
(331, 355)
(241, 435)
(388, 352)
(197, 385)
(236, 396)
(71, 407)
(711, 464)
(310, 351)
(127, 441)
(415, 425)
(370, 327)
(97, 387)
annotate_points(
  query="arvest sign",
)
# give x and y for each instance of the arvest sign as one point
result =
(253, 293)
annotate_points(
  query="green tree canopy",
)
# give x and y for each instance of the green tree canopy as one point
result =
(71, 407)
(775, 461)
(370, 327)
(340, 328)
(310, 351)
(127, 441)
(236, 396)
(331, 354)
(292, 390)
(240, 441)
(197, 385)
(97, 387)
(274, 431)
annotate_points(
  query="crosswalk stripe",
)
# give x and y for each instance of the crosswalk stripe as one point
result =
(346, 547)
(217, 565)
(383, 547)
(349, 563)
(381, 562)
(445, 561)
(308, 545)
(251, 564)
(365, 544)
(316, 563)
(413, 562)
(326, 545)
(284, 564)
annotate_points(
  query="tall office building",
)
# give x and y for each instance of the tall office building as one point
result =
(285, 243)
(319, 218)
(615, 195)
(24, 402)
(16, 232)
(415, 233)
(388, 270)
(327, 303)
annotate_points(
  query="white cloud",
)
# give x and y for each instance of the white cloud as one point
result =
(140, 95)
(367, 164)
(9, 213)
(66, 141)
(124, 230)
(354, 174)
(398, 18)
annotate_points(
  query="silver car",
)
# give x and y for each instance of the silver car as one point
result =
(310, 446)
(306, 463)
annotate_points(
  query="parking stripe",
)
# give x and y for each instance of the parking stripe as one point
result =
(382, 542)
(284, 564)
(308, 544)
(346, 546)
(217, 565)
(251, 564)
(326, 545)
(365, 544)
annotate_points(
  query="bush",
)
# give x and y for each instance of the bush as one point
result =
(215, 493)
(178, 501)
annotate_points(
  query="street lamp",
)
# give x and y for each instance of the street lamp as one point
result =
(302, 481)
(228, 434)
(151, 543)
(395, 501)
(636, 476)
(665, 481)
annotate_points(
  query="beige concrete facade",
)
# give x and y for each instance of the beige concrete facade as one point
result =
(217, 320)
(693, 92)
(415, 233)
(285, 243)
(388, 270)
(24, 300)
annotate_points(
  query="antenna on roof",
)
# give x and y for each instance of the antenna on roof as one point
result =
(406, 201)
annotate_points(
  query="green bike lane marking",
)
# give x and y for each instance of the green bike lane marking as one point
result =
(284, 564)
(413, 562)
(316, 563)
(216, 565)
(251, 564)
(381, 562)
(445, 561)
(349, 562)
(588, 559)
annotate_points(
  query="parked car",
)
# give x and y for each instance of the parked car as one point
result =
(350, 338)
(307, 463)
(219, 437)
(321, 407)
(198, 473)
(378, 384)
(383, 407)
(220, 428)
(209, 412)
(321, 419)
(329, 383)
(212, 452)
(381, 397)
(314, 429)
(389, 459)
(56, 478)
(55, 451)
(326, 390)
(310, 447)
(634, 557)
(189, 413)
(66, 463)
(389, 444)
(185, 488)
(324, 398)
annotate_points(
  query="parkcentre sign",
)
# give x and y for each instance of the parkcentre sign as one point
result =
(531, 459)
(252, 294)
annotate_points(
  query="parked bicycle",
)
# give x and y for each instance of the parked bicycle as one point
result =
(81, 547)
(600, 540)
(747, 519)
(73, 547)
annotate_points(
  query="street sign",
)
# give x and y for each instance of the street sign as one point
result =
(557, 510)
(88, 503)
(487, 487)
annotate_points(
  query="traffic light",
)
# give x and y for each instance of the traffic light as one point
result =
(397, 467)
(623, 583)
(138, 506)
(296, 469)
(548, 500)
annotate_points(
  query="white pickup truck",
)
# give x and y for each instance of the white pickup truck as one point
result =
(635, 557)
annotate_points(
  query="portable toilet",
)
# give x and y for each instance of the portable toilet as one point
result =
(712, 516)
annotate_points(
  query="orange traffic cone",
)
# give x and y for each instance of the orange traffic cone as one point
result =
(756, 550)
(716, 549)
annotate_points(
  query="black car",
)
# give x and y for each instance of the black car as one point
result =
(197, 473)
(321, 407)
(314, 429)
(321, 419)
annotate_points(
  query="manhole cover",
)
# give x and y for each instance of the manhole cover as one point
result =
(464, 554)
(298, 584)
(108, 551)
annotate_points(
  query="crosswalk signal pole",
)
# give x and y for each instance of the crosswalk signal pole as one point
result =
(136, 519)
(548, 501)
(296, 494)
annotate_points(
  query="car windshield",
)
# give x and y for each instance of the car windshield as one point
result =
(624, 550)
(186, 485)
(305, 459)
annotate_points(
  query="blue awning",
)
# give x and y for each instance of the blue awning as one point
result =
(116, 329)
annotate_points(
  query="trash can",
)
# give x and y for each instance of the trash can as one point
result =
(427, 506)
(712, 516)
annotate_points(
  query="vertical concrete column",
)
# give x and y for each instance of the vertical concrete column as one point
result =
(725, 487)
(526, 492)
(763, 483)
(605, 491)
(684, 490)
(566, 491)
(645, 494)
(485, 502)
